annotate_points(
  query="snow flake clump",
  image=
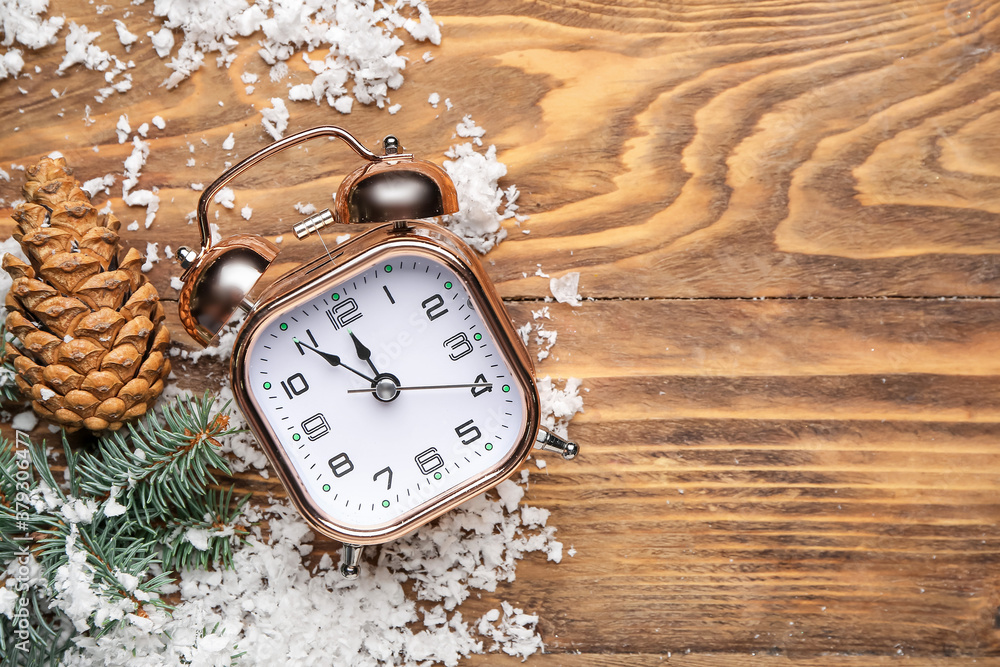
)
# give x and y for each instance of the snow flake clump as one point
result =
(21, 23)
(567, 288)
(481, 205)
(275, 119)
(362, 49)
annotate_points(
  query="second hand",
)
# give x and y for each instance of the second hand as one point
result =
(488, 385)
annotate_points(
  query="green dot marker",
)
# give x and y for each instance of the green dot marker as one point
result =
(335, 297)
(296, 437)
(489, 446)
(284, 327)
(478, 336)
(437, 475)
(267, 385)
(388, 269)
(506, 388)
(447, 285)
(326, 487)
(385, 503)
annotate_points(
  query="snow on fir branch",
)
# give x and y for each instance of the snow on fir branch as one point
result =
(84, 556)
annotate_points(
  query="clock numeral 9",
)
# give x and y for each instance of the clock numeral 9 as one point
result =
(316, 426)
(434, 307)
(429, 460)
(341, 465)
(343, 313)
(479, 391)
(295, 385)
(460, 346)
(468, 429)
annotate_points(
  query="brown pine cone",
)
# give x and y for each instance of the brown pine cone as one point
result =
(91, 342)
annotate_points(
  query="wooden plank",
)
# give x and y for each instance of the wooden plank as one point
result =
(796, 149)
(806, 481)
(738, 493)
(716, 660)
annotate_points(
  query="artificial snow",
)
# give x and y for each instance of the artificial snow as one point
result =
(468, 128)
(226, 197)
(25, 421)
(275, 119)
(481, 202)
(228, 142)
(567, 288)
(246, 212)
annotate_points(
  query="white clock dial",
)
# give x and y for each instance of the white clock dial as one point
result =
(386, 390)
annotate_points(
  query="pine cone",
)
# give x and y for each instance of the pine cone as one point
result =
(92, 341)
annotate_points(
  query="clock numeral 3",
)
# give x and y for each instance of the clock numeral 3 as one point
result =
(460, 346)
(429, 460)
(295, 385)
(341, 464)
(316, 426)
(479, 391)
(468, 429)
(343, 313)
(381, 472)
(434, 307)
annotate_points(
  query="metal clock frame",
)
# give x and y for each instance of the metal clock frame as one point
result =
(312, 279)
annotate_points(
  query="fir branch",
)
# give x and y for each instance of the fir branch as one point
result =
(216, 515)
(160, 467)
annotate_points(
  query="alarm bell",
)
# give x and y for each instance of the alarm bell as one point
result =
(390, 187)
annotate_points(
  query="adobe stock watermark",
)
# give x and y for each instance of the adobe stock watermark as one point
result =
(20, 568)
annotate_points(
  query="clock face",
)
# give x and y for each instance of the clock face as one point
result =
(385, 391)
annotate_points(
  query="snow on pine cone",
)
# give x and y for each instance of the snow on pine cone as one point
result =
(90, 339)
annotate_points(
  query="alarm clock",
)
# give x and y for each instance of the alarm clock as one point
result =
(383, 379)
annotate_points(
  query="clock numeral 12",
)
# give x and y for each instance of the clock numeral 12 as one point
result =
(434, 307)
(343, 313)
(429, 460)
(294, 386)
(468, 429)
(341, 465)
(460, 346)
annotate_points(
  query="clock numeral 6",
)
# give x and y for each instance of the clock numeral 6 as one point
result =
(434, 307)
(468, 429)
(343, 313)
(316, 426)
(295, 385)
(479, 391)
(460, 346)
(429, 460)
(341, 464)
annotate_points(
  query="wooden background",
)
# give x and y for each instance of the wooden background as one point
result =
(785, 216)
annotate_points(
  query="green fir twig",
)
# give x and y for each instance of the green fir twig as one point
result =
(161, 468)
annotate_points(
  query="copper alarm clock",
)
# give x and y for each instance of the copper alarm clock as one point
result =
(385, 380)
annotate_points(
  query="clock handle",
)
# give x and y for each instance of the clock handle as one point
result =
(273, 149)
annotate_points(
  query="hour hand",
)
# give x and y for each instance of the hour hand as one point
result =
(332, 359)
(364, 354)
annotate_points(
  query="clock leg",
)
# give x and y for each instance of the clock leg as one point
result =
(350, 557)
(550, 442)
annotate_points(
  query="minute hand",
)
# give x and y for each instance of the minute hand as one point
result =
(333, 360)
(428, 386)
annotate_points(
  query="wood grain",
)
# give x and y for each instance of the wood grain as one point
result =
(806, 479)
